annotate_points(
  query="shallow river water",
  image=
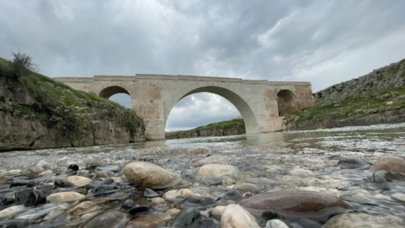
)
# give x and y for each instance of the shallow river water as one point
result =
(316, 161)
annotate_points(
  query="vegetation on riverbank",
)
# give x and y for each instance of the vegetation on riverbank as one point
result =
(375, 98)
(227, 127)
(373, 107)
(38, 112)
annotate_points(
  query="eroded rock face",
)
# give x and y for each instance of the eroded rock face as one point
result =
(310, 204)
(149, 175)
(235, 216)
(214, 174)
(392, 164)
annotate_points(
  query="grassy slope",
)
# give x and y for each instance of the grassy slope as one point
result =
(235, 124)
(57, 105)
(371, 102)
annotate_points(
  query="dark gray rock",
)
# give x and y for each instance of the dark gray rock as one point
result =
(112, 219)
(352, 163)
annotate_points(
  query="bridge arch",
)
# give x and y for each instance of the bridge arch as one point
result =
(286, 100)
(249, 117)
(107, 92)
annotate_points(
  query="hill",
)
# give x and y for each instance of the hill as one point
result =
(375, 98)
(38, 112)
(228, 127)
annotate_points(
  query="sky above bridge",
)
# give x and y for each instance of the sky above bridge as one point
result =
(324, 42)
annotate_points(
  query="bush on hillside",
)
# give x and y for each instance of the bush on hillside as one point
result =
(21, 64)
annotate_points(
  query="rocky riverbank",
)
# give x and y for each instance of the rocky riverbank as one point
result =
(37, 112)
(311, 180)
(375, 98)
(228, 127)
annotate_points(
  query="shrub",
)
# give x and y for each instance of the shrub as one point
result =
(21, 64)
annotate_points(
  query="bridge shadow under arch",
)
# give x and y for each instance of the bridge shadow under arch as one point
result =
(239, 103)
(286, 102)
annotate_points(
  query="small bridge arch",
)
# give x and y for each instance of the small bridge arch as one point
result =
(109, 91)
(286, 101)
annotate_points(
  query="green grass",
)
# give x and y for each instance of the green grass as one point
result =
(373, 101)
(59, 106)
(234, 124)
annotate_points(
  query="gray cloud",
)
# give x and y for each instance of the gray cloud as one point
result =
(324, 42)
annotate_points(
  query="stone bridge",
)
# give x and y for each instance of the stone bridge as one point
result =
(261, 103)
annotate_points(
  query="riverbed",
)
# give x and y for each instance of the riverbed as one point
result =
(299, 160)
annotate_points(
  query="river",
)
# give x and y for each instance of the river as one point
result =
(305, 160)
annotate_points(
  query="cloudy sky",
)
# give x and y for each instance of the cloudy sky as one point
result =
(323, 42)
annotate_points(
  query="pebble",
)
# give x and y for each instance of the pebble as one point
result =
(111, 219)
(216, 174)
(12, 211)
(393, 164)
(65, 197)
(149, 193)
(149, 175)
(235, 216)
(79, 181)
(352, 163)
(177, 196)
(217, 211)
(276, 223)
(354, 220)
(289, 203)
(399, 196)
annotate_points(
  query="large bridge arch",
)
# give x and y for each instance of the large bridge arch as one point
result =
(248, 115)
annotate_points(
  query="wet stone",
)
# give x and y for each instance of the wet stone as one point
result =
(354, 220)
(149, 193)
(292, 203)
(149, 175)
(236, 216)
(62, 183)
(232, 197)
(216, 174)
(79, 181)
(72, 169)
(6, 198)
(378, 178)
(128, 204)
(30, 197)
(103, 190)
(15, 223)
(139, 210)
(12, 211)
(65, 197)
(113, 219)
(276, 223)
(200, 202)
(186, 218)
(392, 164)
(352, 163)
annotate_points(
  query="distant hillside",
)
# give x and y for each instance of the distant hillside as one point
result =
(389, 76)
(375, 98)
(228, 127)
(37, 112)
